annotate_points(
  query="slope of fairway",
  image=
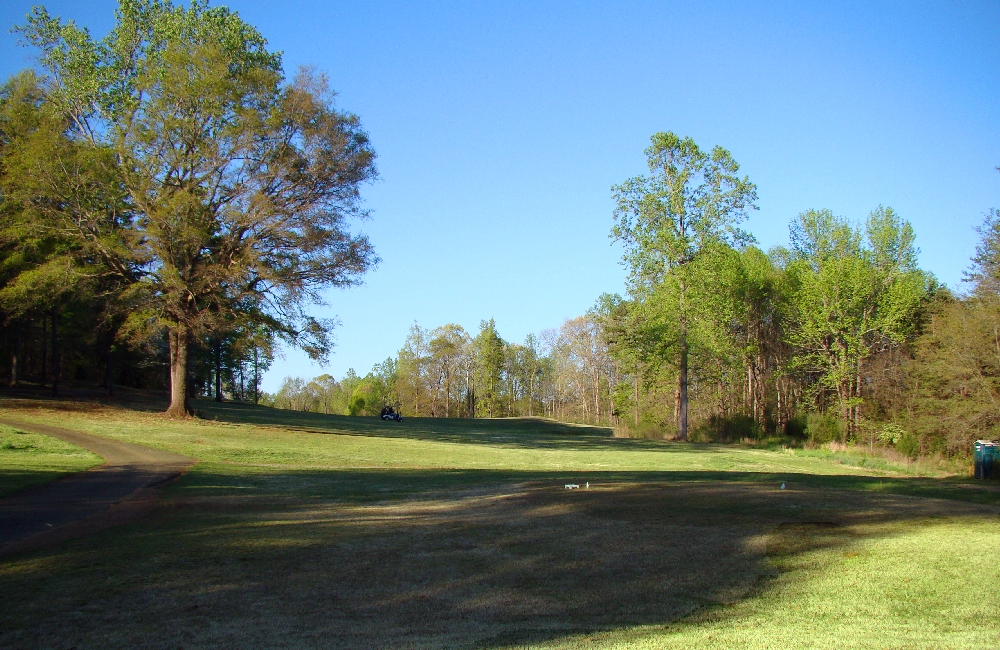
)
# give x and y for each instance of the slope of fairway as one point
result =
(28, 459)
(361, 457)
(297, 530)
(349, 442)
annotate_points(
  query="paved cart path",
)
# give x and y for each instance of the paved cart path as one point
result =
(127, 473)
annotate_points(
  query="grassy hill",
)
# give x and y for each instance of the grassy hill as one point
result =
(301, 530)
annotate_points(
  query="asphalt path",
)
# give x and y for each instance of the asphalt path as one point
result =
(127, 471)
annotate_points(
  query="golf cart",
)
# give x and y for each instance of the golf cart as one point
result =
(389, 414)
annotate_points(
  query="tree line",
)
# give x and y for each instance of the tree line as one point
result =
(838, 336)
(171, 204)
(446, 372)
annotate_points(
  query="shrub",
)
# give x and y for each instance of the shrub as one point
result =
(891, 433)
(824, 428)
(650, 431)
(719, 429)
(796, 427)
(356, 405)
(908, 444)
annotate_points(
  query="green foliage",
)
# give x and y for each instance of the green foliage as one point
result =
(239, 184)
(689, 205)
(857, 292)
(488, 370)
(356, 405)
(797, 426)
(825, 428)
(735, 428)
(891, 433)
(908, 444)
(690, 201)
(168, 176)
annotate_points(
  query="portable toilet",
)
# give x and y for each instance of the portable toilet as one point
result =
(987, 459)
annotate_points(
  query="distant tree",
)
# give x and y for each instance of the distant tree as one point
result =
(953, 387)
(241, 184)
(690, 201)
(984, 274)
(489, 351)
(411, 371)
(530, 367)
(447, 349)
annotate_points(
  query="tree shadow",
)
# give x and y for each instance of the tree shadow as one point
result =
(424, 559)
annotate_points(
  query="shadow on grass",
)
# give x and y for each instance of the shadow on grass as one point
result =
(15, 480)
(369, 485)
(422, 559)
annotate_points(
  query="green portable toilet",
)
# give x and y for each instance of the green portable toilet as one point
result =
(987, 459)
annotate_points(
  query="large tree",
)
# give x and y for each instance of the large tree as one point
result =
(857, 292)
(690, 201)
(242, 183)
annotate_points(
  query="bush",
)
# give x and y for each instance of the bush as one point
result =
(796, 427)
(651, 431)
(732, 429)
(824, 428)
(908, 444)
(356, 405)
(891, 433)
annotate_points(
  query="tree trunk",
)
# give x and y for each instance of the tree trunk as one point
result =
(56, 360)
(857, 406)
(682, 419)
(531, 393)
(109, 366)
(682, 424)
(597, 395)
(179, 408)
(471, 384)
(218, 370)
(781, 413)
(844, 391)
(256, 377)
(637, 398)
(45, 350)
(13, 355)
(447, 393)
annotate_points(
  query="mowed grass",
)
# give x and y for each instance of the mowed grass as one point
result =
(28, 459)
(299, 530)
(923, 584)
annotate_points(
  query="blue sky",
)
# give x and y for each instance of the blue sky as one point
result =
(500, 128)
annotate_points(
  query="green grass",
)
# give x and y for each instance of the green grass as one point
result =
(928, 584)
(28, 459)
(300, 530)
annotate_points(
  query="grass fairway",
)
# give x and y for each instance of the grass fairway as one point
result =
(300, 530)
(28, 459)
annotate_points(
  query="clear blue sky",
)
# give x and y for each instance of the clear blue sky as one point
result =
(500, 128)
